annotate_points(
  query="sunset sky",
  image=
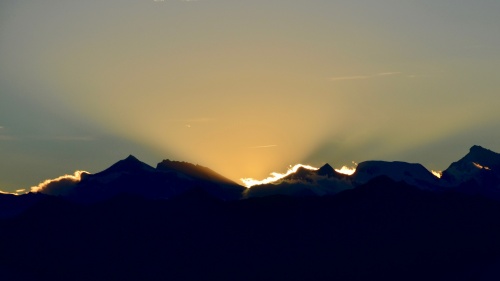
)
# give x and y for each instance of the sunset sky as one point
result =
(245, 87)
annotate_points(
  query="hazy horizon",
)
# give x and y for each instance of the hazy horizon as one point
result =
(244, 87)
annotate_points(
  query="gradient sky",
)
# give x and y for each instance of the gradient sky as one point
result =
(244, 87)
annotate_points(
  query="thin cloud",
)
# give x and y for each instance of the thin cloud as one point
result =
(193, 120)
(265, 146)
(199, 120)
(388, 73)
(179, 0)
(74, 138)
(363, 77)
(342, 78)
(65, 138)
(16, 193)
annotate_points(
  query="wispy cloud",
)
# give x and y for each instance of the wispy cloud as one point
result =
(342, 78)
(199, 120)
(193, 120)
(362, 77)
(48, 138)
(63, 138)
(73, 138)
(264, 146)
(178, 0)
(388, 73)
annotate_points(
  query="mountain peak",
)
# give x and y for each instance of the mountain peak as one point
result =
(326, 170)
(482, 156)
(131, 158)
(479, 150)
(129, 164)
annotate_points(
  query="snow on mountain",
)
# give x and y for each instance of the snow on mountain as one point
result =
(477, 172)
(413, 174)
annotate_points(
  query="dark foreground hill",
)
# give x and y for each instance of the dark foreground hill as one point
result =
(383, 230)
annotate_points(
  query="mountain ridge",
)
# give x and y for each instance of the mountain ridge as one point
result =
(475, 173)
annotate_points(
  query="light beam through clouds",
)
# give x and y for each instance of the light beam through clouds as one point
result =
(144, 72)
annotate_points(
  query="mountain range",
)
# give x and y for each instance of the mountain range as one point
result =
(180, 221)
(478, 172)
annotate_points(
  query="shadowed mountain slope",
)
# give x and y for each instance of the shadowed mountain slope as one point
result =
(414, 174)
(478, 172)
(133, 177)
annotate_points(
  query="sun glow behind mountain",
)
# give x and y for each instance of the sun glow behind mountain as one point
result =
(347, 170)
(249, 182)
(437, 174)
(228, 77)
(275, 176)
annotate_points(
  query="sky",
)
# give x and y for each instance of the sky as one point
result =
(244, 87)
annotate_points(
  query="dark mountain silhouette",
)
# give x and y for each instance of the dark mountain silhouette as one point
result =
(478, 172)
(414, 174)
(381, 230)
(327, 170)
(14, 205)
(128, 165)
(181, 221)
(133, 177)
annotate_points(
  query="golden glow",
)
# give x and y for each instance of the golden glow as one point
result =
(17, 192)
(3, 192)
(437, 174)
(214, 91)
(76, 178)
(347, 170)
(249, 182)
(479, 166)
